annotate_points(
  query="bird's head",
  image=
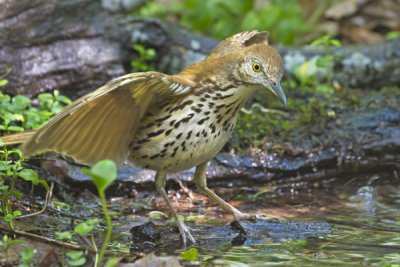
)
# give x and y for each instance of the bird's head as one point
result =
(245, 58)
(260, 65)
(255, 62)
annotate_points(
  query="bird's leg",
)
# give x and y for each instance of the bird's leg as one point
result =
(201, 183)
(160, 187)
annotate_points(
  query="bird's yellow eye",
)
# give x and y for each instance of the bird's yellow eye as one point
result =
(256, 67)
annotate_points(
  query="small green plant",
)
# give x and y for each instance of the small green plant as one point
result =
(103, 173)
(307, 72)
(76, 258)
(7, 243)
(16, 114)
(85, 231)
(53, 102)
(223, 18)
(62, 207)
(86, 227)
(19, 112)
(190, 254)
(144, 57)
(26, 257)
(392, 35)
(63, 236)
(112, 262)
(3, 82)
(326, 41)
(11, 171)
(157, 215)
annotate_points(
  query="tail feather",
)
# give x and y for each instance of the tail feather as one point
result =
(18, 138)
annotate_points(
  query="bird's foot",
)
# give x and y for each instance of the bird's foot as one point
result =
(185, 233)
(266, 217)
(238, 215)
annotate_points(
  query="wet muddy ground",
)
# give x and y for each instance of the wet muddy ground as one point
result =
(349, 222)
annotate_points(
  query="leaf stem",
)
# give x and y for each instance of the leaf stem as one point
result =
(109, 228)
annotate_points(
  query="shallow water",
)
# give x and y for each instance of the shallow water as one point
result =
(337, 222)
(350, 224)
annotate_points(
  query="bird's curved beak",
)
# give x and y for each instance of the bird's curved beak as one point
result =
(278, 91)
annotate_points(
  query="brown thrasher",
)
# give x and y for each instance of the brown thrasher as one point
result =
(166, 123)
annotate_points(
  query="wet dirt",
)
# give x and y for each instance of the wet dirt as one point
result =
(326, 222)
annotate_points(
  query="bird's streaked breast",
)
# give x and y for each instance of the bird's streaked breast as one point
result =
(185, 134)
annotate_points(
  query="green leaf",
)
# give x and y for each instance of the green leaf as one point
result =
(112, 262)
(17, 213)
(157, 215)
(44, 98)
(16, 194)
(63, 235)
(76, 258)
(46, 101)
(14, 242)
(27, 254)
(16, 152)
(14, 128)
(192, 218)
(3, 82)
(11, 216)
(78, 262)
(5, 165)
(392, 35)
(74, 255)
(61, 206)
(45, 184)
(103, 174)
(326, 41)
(306, 72)
(8, 217)
(21, 102)
(29, 175)
(139, 48)
(83, 228)
(12, 116)
(336, 43)
(190, 254)
(63, 99)
(57, 107)
(324, 61)
(150, 54)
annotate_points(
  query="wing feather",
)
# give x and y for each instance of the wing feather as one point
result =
(101, 124)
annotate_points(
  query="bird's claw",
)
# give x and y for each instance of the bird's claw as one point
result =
(246, 216)
(185, 233)
(265, 217)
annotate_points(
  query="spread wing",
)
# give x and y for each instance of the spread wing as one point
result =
(100, 125)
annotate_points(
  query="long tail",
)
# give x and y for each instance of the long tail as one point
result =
(18, 138)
